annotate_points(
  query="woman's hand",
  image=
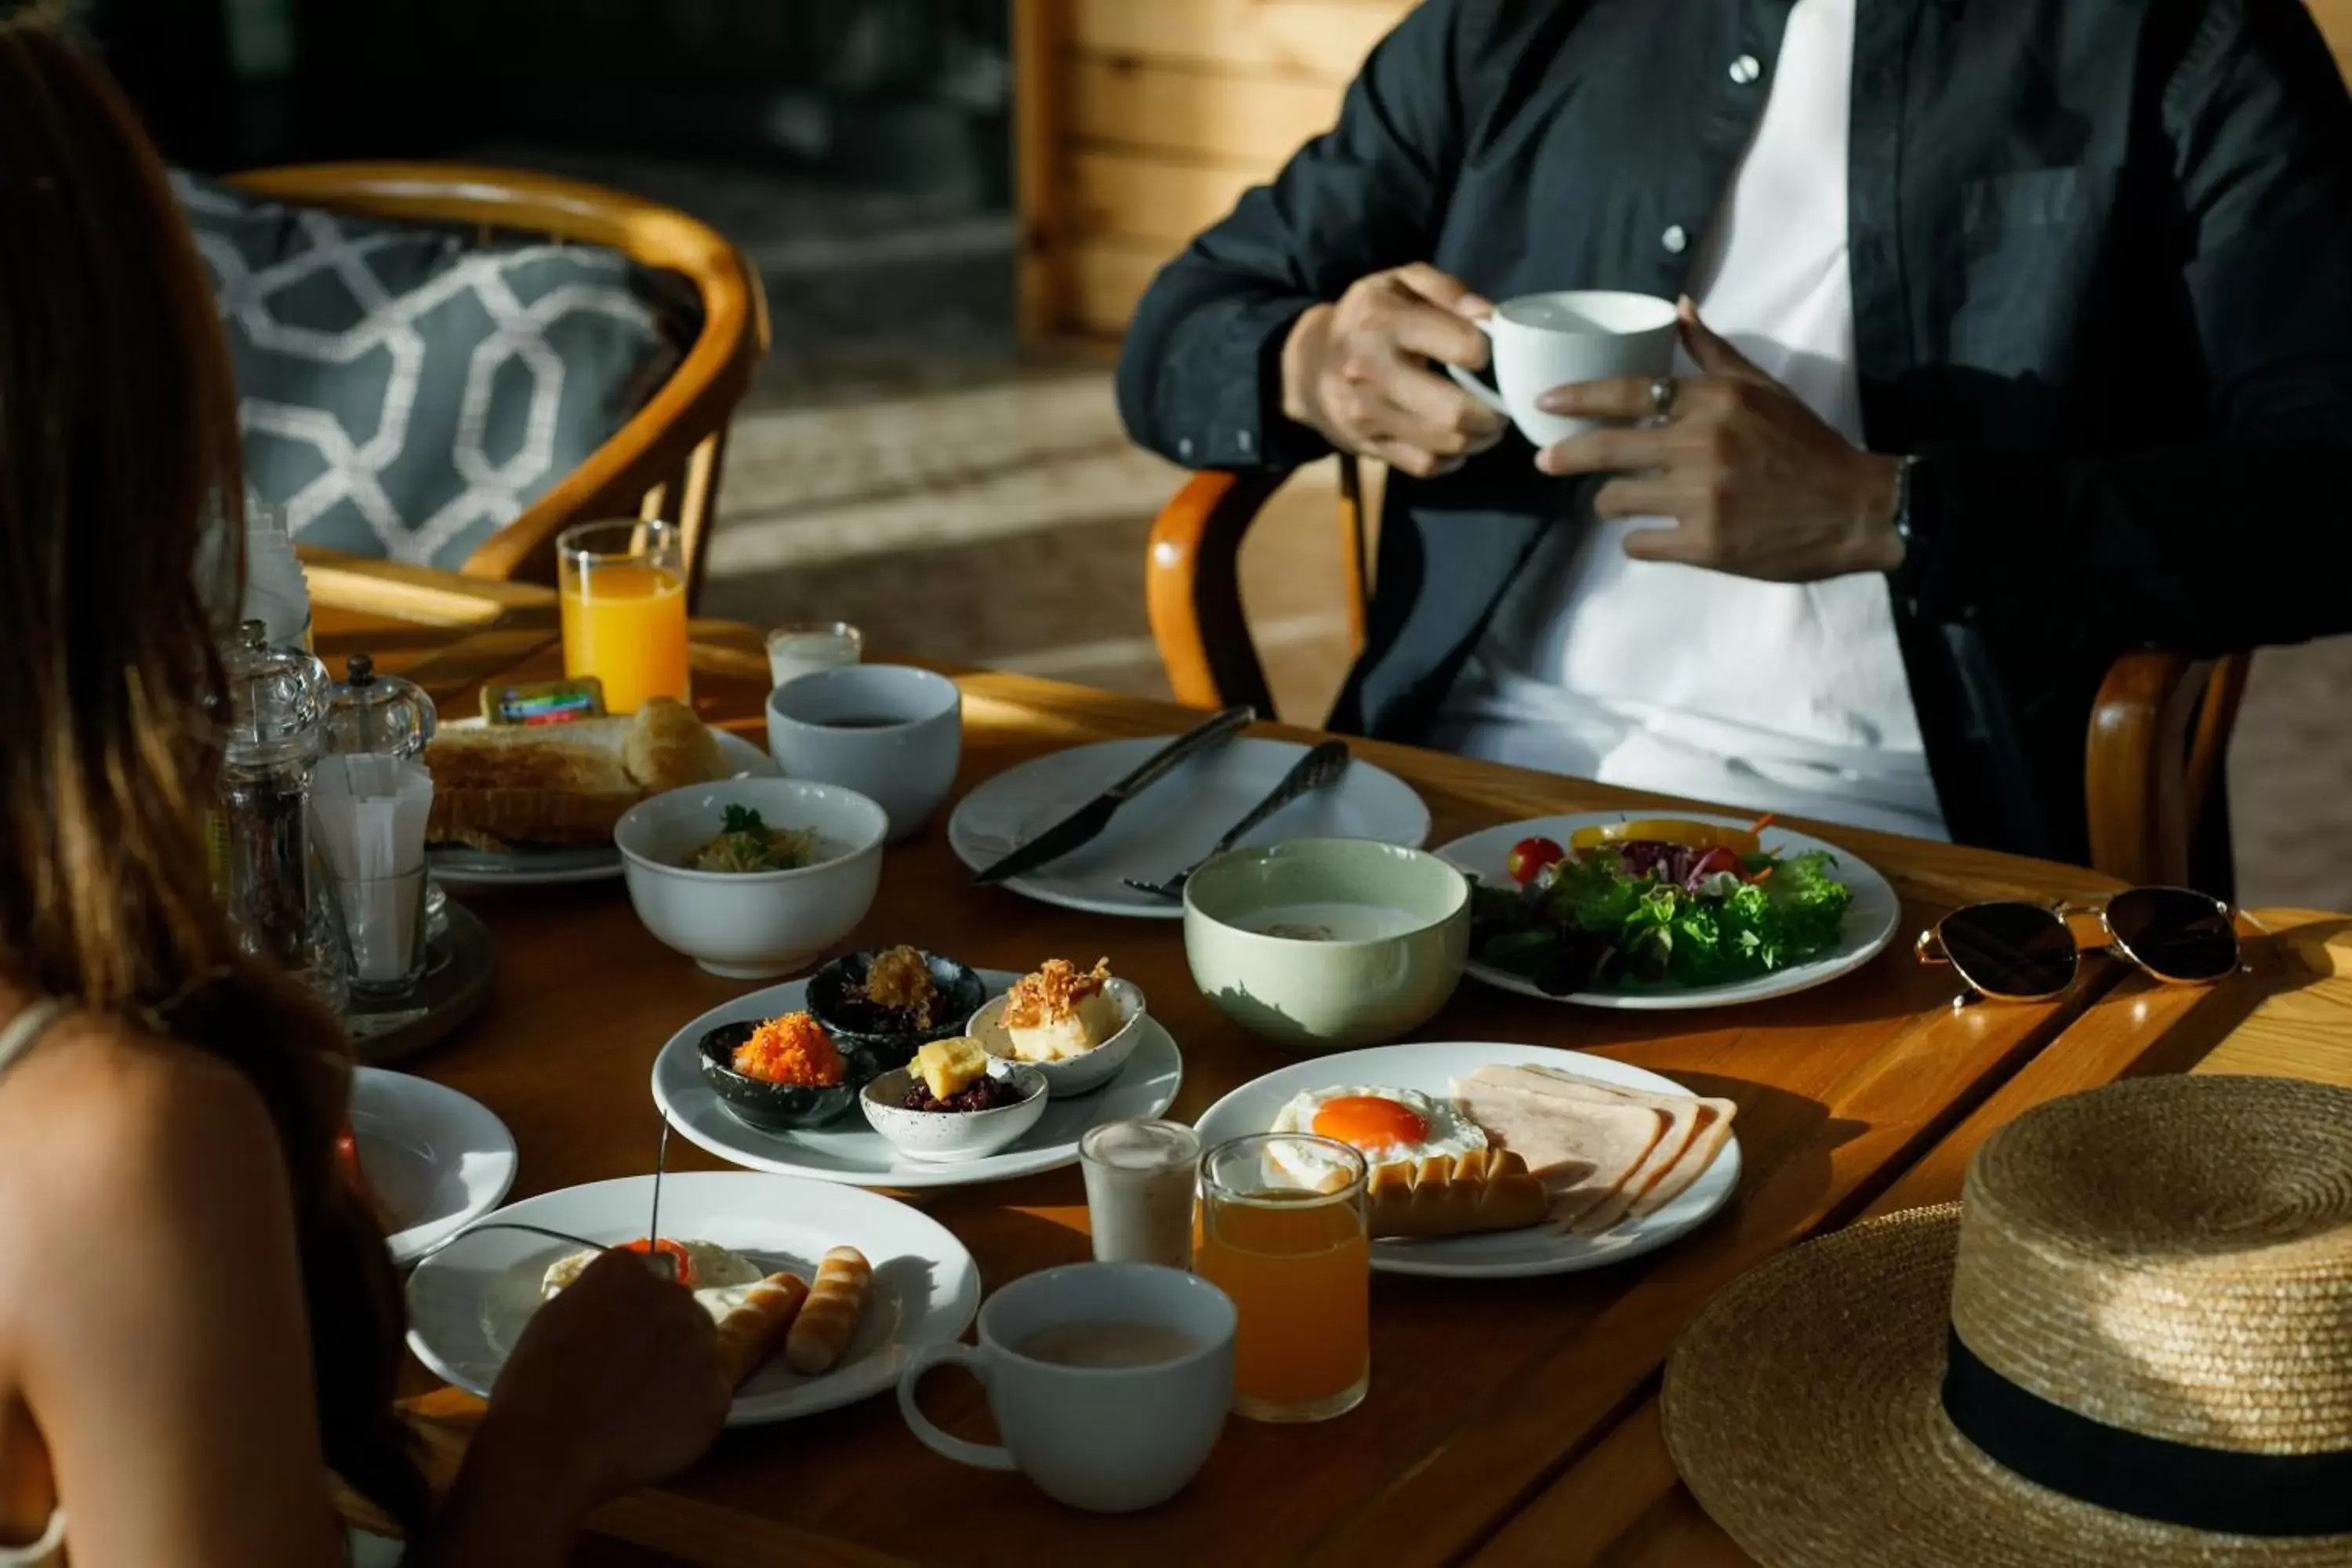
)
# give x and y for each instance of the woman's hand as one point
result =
(1755, 483)
(619, 1375)
(613, 1384)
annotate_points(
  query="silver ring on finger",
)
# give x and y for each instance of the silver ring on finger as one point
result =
(1662, 389)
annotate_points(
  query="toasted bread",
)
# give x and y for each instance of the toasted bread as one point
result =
(1486, 1189)
(495, 786)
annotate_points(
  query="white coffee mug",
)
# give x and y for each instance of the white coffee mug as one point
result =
(1110, 1440)
(890, 731)
(1544, 341)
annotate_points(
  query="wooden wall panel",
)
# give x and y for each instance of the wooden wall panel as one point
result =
(1143, 197)
(1109, 275)
(1321, 39)
(1202, 114)
(1139, 121)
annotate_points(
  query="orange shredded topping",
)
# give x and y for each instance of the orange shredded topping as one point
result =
(794, 1049)
(1053, 992)
(900, 980)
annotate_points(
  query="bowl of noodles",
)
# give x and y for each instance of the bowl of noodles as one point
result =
(753, 877)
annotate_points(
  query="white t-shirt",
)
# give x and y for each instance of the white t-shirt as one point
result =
(1782, 697)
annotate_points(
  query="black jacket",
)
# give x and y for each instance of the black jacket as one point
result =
(2102, 269)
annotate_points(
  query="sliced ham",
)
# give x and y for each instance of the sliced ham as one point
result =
(1704, 1147)
(1694, 1134)
(1582, 1151)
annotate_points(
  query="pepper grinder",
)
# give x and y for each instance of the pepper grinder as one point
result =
(277, 732)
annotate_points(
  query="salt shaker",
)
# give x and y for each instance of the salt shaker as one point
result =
(381, 715)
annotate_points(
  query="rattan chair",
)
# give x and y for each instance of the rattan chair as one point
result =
(664, 462)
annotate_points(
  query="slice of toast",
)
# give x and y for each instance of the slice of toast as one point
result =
(499, 785)
(511, 785)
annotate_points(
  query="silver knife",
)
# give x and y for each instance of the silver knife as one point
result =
(1082, 825)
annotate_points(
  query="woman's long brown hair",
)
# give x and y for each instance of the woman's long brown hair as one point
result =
(118, 438)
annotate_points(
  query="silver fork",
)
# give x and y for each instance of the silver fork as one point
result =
(1321, 766)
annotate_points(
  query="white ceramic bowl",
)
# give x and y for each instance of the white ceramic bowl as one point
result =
(751, 925)
(1079, 1074)
(944, 1136)
(1322, 944)
(890, 731)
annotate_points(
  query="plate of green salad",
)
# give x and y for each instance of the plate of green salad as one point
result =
(1626, 910)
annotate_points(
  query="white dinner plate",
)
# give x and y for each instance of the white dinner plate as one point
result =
(436, 1159)
(457, 866)
(1173, 823)
(1505, 1253)
(468, 1304)
(849, 1150)
(1870, 919)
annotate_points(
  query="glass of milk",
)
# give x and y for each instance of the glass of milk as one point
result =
(1141, 1177)
(810, 646)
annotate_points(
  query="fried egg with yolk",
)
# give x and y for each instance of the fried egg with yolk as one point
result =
(1387, 1126)
(719, 1278)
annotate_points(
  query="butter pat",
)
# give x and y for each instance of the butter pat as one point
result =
(948, 1067)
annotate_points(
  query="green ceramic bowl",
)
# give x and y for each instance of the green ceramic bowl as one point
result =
(1323, 945)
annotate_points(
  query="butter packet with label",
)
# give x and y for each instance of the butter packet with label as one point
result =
(544, 702)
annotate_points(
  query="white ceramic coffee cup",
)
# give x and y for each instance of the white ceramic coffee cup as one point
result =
(824, 727)
(1108, 1439)
(1543, 340)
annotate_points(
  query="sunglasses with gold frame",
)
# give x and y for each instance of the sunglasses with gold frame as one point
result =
(2011, 950)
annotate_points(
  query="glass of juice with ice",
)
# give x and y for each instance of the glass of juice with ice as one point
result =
(1283, 1233)
(622, 585)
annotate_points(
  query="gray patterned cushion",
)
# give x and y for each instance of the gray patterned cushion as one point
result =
(405, 390)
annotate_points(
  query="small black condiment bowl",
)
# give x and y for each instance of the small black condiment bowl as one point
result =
(834, 997)
(784, 1107)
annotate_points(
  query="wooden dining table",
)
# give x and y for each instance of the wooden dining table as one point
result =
(1509, 1421)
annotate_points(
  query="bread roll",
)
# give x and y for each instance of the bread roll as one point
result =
(750, 1334)
(823, 1330)
(666, 748)
(1483, 1190)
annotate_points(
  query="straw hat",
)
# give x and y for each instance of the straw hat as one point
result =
(2143, 1303)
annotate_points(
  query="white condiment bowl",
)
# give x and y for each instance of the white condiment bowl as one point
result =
(943, 1136)
(1081, 1074)
(750, 925)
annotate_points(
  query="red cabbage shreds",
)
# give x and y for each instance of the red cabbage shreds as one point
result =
(1645, 856)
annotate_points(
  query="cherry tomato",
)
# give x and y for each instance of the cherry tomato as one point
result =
(1691, 835)
(1529, 856)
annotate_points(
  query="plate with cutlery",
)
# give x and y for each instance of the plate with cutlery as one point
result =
(1114, 828)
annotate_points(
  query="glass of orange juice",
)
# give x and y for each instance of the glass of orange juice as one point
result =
(622, 586)
(1298, 1264)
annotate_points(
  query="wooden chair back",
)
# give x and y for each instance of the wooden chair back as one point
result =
(2159, 734)
(664, 462)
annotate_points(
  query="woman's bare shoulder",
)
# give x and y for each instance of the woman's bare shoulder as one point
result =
(105, 1118)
